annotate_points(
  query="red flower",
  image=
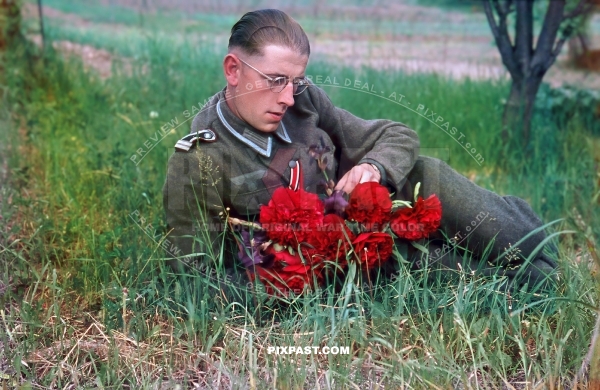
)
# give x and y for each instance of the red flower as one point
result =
(291, 216)
(287, 262)
(280, 283)
(370, 205)
(288, 273)
(333, 239)
(419, 221)
(373, 249)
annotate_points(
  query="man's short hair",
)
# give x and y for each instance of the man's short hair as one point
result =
(257, 29)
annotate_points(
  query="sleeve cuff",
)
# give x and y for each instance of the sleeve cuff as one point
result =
(383, 179)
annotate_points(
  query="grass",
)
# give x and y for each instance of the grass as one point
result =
(89, 303)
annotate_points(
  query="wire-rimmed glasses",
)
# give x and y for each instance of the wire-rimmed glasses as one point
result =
(277, 84)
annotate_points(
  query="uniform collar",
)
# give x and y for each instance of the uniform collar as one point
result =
(259, 141)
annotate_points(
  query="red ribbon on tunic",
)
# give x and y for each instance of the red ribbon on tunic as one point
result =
(296, 176)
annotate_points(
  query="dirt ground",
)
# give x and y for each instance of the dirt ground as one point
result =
(453, 56)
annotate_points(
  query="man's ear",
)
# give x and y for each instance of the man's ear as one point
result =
(231, 69)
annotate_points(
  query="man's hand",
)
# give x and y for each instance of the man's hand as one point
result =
(359, 174)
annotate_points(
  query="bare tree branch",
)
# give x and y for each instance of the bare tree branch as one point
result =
(559, 45)
(503, 27)
(552, 57)
(547, 37)
(524, 35)
(501, 8)
(500, 32)
(550, 31)
(583, 7)
(491, 20)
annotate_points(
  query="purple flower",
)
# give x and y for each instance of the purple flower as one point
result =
(251, 254)
(317, 152)
(336, 203)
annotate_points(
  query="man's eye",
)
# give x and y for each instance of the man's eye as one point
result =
(279, 81)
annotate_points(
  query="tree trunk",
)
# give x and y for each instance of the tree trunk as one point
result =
(516, 120)
(10, 23)
(525, 63)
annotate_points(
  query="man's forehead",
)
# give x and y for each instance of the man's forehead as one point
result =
(283, 61)
(276, 60)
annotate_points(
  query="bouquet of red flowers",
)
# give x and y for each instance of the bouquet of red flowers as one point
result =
(299, 238)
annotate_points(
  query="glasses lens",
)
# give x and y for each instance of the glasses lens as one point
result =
(299, 86)
(278, 84)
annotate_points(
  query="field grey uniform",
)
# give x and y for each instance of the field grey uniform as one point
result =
(225, 163)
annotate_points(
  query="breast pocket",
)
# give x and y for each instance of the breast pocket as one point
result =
(249, 191)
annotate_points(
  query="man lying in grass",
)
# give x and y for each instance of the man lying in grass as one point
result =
(272, 128)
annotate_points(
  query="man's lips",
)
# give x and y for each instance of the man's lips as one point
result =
(276, 115)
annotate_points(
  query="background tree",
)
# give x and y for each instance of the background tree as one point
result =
(526, 63)
(10, 23)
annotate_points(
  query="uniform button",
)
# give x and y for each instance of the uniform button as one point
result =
(292, 164)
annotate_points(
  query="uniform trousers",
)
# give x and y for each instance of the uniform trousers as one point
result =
(480, 230)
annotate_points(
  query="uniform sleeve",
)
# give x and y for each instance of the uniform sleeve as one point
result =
(392, 146)
(192, 203)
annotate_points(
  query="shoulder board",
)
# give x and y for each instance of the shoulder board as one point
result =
(186, 143)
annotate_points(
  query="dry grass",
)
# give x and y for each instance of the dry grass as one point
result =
(82, 344)
(75, 357)
(70, 334)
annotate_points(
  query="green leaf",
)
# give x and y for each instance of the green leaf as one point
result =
(420, 247)
(417, 188)
(398, 203)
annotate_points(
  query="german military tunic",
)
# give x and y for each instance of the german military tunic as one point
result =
(232, 169)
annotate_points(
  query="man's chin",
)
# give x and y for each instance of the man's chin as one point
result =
(268, 128)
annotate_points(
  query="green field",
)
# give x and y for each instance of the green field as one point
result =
(87, 301)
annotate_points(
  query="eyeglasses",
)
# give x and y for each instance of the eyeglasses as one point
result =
(277, 84)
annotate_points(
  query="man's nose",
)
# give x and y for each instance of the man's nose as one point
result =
(287, 95)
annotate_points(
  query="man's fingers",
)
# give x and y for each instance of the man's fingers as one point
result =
(366, 176)
(340, 185)
(348, 186)
(354, 176)
(347, 182)
(359, 174)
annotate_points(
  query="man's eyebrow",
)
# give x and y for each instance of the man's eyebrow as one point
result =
(275, 75)
(283, 75)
